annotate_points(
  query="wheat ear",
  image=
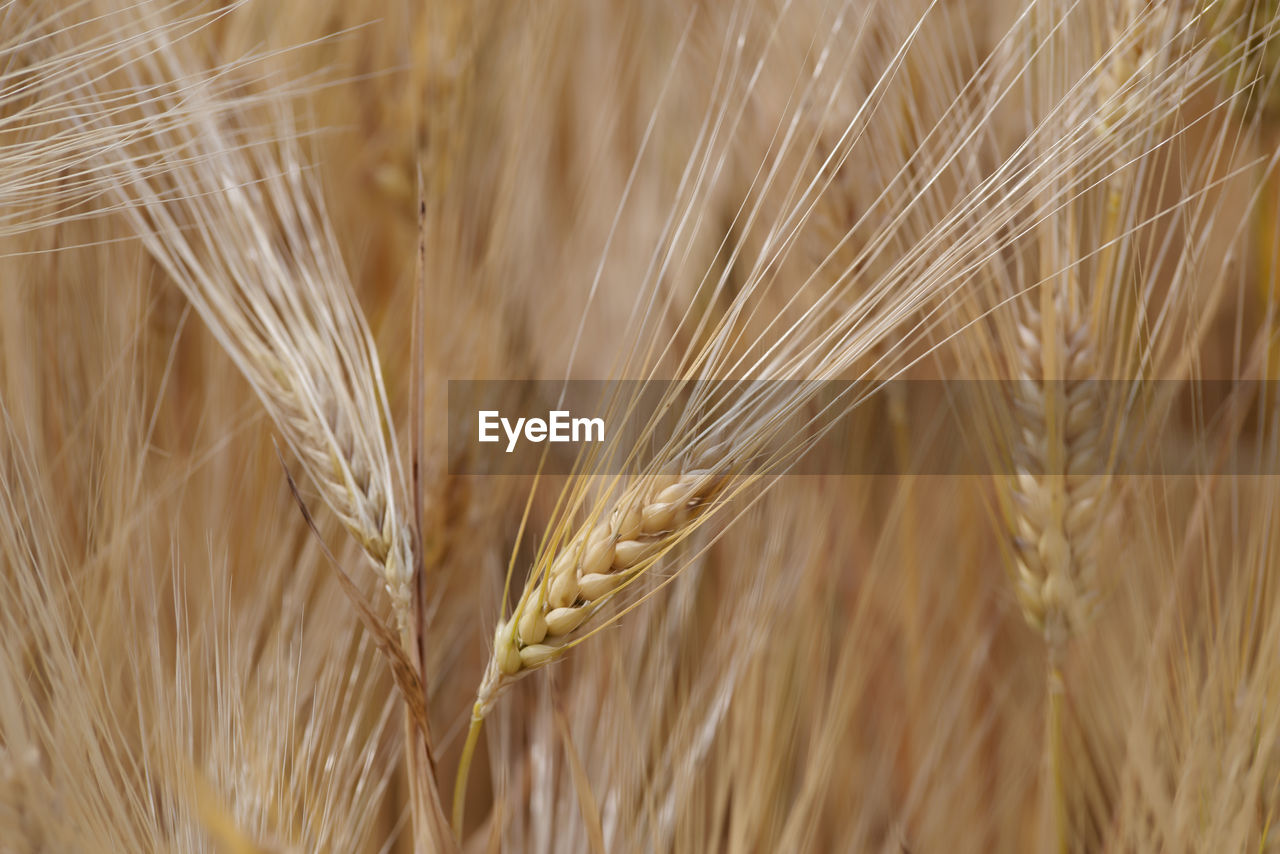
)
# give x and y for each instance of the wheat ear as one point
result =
(230, 214)
(1057, 489)
(574, 581)
(596, 563)
(1063, 424)
(223, 203)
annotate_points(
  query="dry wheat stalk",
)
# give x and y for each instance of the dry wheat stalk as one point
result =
(292, 326)
(77, 774)
(240, 228)
(1071, 334)
(1068, 334)
(224, 205)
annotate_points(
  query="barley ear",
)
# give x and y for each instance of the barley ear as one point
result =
(241, 229)
(1058, 491)
(575, 580)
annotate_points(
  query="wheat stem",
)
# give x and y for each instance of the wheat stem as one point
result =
(464, 769)
(1055, 688)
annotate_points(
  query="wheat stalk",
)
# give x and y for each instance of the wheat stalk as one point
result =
(227, 209)
(239, 228)
(1068, 337)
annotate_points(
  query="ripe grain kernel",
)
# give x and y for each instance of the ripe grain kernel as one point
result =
(631, 552)
(566, 563)
(659, 482)
(533, 625)
(677, 493)
(600, 534)
(561, 621)
(506, 653)
(658, 517)
(564, 590)
(627, 522)
(598, 558)
(537, 654)
(597, 585)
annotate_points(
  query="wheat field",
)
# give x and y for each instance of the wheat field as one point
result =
(967, 533)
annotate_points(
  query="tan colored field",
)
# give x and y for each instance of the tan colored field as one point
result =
(249, 604)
